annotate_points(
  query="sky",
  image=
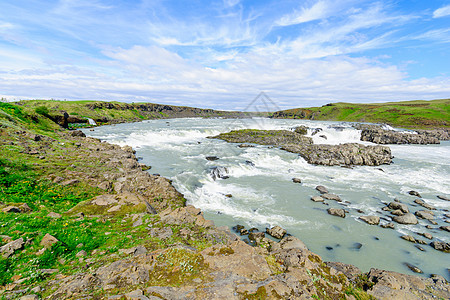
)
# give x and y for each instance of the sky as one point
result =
(221, 54)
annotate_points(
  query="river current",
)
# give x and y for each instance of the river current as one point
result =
(263, 194)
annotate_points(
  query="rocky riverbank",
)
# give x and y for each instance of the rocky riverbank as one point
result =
(319, 154)
(95, 225)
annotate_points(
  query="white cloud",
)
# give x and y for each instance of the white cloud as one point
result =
(442, 12)
(319, 10)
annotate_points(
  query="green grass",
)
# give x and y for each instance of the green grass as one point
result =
(410, 114)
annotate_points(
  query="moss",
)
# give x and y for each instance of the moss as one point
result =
(226, 251)
(260, 294)
(275, 266)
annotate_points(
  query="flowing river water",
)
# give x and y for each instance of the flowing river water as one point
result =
(263, 194)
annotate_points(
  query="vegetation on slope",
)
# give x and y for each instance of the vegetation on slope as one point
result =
(78, 112)
(408, 114)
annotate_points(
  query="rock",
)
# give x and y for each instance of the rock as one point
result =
(336, 212)
(81, 253)
(413, 268)
(48, 240)
(371, 220)
(317, 199)
(422, 203)
(250, 163)
(331, 197)
(276, 232)
(322, 189)
(296, 180)
(349, 154)
(377, 135)
(11, 209)
(397, 212)
(29, 297)
(77, 133)
(69, 182)
(398, 206)
(212, 158)
(441, 246)
(245, 146)
(443, 198)
(301, 130)
(414, 193)
(289, 242)
(408, 218)
(356, 246)
(11, 247)
(219, 172)
(445, 228)
(408, 238)
(388, 225)
(323, 136)
(54, 215)
(423, 214)
(427, 235)
(256, 236)
(25, 208)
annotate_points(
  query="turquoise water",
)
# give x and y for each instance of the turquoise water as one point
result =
(264, 195)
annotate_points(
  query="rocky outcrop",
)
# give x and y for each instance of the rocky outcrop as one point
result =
(377, 135)
(343, 154)
(264, 137)
(329, 155)
(11, 247)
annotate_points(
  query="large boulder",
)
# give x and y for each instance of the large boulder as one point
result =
(408, 218)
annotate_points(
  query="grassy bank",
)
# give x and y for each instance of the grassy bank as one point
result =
(407, 114)
(78, 112)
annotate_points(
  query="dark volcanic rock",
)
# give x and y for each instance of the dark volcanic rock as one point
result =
(212, 158)
(414, 193)
(296, 180)
(443, 198)
(301, 130)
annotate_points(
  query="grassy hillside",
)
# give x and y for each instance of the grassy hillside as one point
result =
(409, 114)
(115, 112)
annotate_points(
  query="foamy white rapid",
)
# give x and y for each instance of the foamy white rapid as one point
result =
(263, 194)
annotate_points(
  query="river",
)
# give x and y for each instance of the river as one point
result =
(263, 194)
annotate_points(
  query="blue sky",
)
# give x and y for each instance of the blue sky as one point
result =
(221, 54)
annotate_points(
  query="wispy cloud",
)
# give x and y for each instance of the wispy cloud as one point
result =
(317, 11)
(442, 12)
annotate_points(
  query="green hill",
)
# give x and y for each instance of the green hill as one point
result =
(408, 114)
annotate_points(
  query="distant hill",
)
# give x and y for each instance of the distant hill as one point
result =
(77, 113)
(408, 114)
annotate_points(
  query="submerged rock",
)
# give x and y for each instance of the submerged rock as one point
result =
(296, 180)
(331, 197)
(423, 214)
(413, 268)
(317, 199)
(443, 198)
(414, 193)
